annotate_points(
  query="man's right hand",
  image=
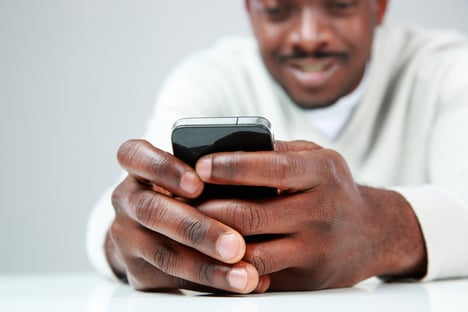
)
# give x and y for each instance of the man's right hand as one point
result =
(157, 241)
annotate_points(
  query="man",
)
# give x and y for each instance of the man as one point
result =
(377, 186)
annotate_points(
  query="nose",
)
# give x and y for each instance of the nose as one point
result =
(311, 31)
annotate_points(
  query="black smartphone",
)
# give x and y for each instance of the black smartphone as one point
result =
(195, 137)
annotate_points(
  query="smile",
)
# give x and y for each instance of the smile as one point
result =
(313, 73)
(312, 67)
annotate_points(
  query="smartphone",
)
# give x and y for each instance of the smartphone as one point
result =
(195, 137)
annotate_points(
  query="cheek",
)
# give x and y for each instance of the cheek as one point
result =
(271, 41)
(270, 37)
(352, 33)
(356, 38)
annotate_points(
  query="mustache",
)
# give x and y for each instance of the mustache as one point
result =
(319, 54)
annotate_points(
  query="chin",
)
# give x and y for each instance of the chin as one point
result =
(312, 102)
(307, 100)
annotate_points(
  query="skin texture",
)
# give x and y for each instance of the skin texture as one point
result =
(322, 231)
(335, 34)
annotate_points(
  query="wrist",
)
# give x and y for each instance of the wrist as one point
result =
(399, 242)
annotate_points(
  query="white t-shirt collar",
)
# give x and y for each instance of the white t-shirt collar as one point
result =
(332, 119)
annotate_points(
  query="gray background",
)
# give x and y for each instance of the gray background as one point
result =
(77, 78)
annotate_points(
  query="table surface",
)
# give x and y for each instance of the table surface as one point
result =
(90, 292)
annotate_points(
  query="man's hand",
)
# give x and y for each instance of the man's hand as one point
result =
(158, 241)
(323, 230)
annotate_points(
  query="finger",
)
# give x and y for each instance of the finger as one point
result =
(291, 171)
(180, 263)
(274, 255)
(146, 277)
(263, 284)
(180, 222)
(285, 214)
(149, 164)
(295, 146)
(141, 275)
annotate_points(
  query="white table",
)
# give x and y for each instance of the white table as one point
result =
(89, 292)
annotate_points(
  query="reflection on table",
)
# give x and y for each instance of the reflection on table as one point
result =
(89, 292)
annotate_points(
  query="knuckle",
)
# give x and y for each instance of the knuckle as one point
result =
(118, 199)
(164, 256)
(255, 218)
(149, 209)
(258, 218)
(116, 232)
(333, 164)
(247, 217)
(281, 166)
(286, 167)
(193, 230)
(259, 263)
(127, 151)
(158, 165)
(205, 273)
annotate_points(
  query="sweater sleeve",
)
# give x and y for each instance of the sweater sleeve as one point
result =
(443, 218)
(442, 206)
(98, 224)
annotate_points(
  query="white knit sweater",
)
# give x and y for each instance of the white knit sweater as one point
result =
(407, 133)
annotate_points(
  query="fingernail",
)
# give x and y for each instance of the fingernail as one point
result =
(228, 247)
(237, 278)
(189, 182)
(203, 168)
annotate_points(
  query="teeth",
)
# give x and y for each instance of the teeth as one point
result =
(312, 68)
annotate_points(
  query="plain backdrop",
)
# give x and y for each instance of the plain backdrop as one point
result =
(77, 78)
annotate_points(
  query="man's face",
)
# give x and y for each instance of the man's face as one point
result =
(317, 50)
